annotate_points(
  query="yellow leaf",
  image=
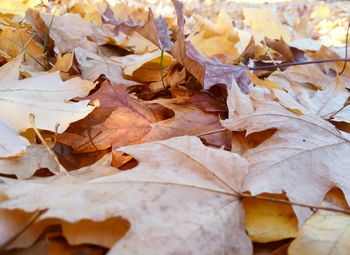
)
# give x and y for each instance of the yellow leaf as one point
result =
(265, 23)
(269, 221)
(218, 38)
(17, 6)
(9, 38)
(320, 10)
(325, 232)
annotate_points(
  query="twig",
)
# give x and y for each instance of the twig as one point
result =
(297, 63)
(346, 48)
(61, 168)
(312, 207)
(161, 66)
(212, 132)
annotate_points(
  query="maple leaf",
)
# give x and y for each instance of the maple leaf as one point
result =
(328, 102)
(68, 31)
(305, 157)
(180, 199)
(218, 38)
(207, 71)
(118, 119)
(9, 39)
(155, 30)
(258, 18)
(93, 65)
(187, 120)
(48, 103)
(25, 166)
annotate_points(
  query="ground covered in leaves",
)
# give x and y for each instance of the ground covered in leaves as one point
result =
(157, 127)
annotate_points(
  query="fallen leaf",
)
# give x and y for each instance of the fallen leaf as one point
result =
(218, 38)
(118, 119)
(204, 187)
(264, 23)
(188, 120)
(93, 65)
(156, 31)
(328, 103)
(10, 38)
(325, 232)
(10, 71)
(331, 67)
(268, 221)
(17, 6)
(89, 11)
(304, 157)
(207, 71)
(146, 67)
(70, 31)
(23, 167)
(48, 104)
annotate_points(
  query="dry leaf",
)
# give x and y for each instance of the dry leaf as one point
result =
(70, 31)
(48, 104)
(173, 210)
(218, 38)
(207, 71)
(305, 157)
(93, 65)
(268, 221)
(325, 232)
(188, 120)
(264, 23)
(118, 119)
(10, 38)
(23, 167)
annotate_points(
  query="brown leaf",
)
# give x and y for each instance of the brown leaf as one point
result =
(188, 120)
(118, 119)
(207, 71)
(281, 47)
(156, 31)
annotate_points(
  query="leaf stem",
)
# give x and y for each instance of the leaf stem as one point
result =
(346, 48)
(212, 132)
(161, 66)
(61, 168)
(312, 207)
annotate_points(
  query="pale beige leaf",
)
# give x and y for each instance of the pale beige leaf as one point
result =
(70, 31)
(46, 97)
(11, 143)
(179, 199)
(328, 102)
(23, 167)
(305, 157)
(306, 44)
(93, 65)
(237, 102)
(10, 71)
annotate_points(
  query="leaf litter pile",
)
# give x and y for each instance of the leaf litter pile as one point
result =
(163, 128)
